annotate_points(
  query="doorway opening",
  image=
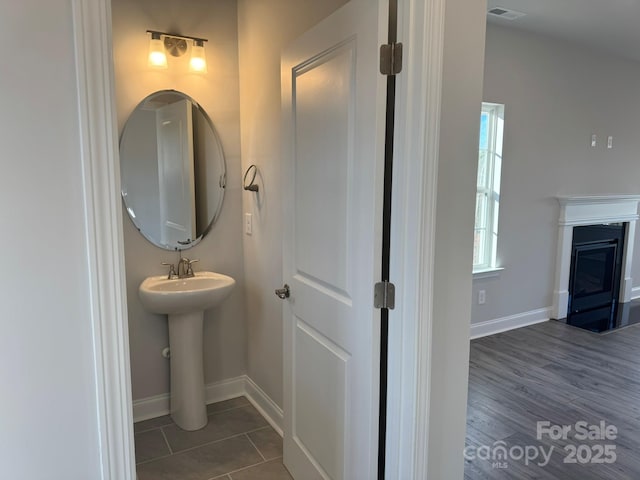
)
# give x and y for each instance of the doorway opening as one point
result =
(139, 257)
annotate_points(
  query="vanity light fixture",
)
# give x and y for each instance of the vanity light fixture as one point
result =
(176, 46)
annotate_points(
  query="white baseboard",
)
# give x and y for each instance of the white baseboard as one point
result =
(263, 403)
(225, 389)
(158, 405)
(150, 407)
(635, 293)
(491, 327)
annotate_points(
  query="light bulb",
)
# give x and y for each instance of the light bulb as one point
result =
(157, 55)
(198, 62)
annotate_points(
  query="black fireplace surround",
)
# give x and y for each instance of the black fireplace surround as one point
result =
(596, 266)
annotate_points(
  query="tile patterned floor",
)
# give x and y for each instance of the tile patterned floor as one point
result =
(236, 444)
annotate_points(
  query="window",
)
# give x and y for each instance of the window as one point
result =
(488, 188)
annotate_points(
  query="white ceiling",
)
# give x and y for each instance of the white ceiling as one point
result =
(609, 25)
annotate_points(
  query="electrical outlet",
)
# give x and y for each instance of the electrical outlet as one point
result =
(482, 297)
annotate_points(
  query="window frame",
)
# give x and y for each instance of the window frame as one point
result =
(490, 189)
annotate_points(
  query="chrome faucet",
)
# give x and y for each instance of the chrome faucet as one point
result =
(185, 269)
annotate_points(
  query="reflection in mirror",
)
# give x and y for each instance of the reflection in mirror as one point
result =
(172, 170)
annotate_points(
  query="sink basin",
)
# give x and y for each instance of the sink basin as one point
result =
(184, 301)
(184, 295)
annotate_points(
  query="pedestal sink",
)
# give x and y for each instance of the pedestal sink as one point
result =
(184, 300)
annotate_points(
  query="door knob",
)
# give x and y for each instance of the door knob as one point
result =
(283, 292)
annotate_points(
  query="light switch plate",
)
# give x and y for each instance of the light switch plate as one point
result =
(248, 223)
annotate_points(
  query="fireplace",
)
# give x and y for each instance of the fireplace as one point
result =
(596, 264)
(604, 214)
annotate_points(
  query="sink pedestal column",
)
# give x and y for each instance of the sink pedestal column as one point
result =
(188, 407)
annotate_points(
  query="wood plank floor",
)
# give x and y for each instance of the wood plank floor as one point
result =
(561, 374)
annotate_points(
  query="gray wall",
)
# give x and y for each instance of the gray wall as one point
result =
(48, 424)
(221, 250)
(556, 95)
(265, 27)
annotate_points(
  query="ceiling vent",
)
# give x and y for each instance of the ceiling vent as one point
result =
(505, 13)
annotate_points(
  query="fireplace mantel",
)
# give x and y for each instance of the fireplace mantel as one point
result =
(592, 210)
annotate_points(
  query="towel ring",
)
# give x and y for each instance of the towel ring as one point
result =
(252, 187)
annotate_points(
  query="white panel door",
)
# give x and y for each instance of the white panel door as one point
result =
(174, 127)
(333, 110)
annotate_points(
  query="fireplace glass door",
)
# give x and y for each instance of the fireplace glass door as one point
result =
(593, 274)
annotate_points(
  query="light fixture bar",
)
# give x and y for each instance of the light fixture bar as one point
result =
(155, 33)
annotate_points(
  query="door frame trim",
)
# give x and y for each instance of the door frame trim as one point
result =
(421, 29)
(104, 237)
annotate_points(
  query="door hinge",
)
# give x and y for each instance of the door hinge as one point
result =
(391, 58)
(384, 295)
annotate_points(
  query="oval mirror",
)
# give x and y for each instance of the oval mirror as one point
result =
(172, 170)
